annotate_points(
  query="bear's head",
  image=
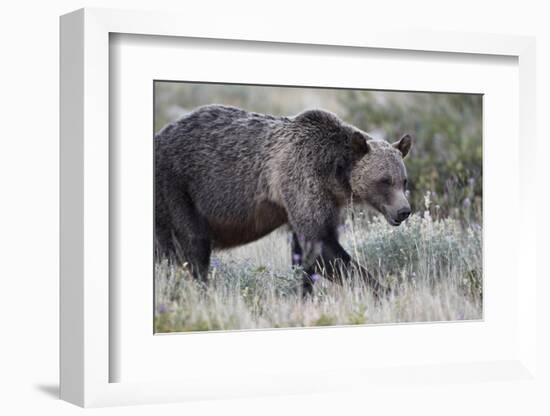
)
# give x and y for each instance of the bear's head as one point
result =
(379, 177)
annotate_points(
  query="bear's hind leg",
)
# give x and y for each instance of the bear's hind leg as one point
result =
(193, 252)
(190, 236)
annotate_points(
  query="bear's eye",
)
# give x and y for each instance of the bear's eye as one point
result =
(385, 181)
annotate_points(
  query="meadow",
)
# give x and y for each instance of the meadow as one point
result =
(432, 265)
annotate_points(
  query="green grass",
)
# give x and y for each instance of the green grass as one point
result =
(433, 266)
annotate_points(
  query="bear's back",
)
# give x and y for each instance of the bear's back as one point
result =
(217, 135)
(226, 157)
(218, 154)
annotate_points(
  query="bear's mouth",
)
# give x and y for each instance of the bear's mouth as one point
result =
(384, 211)
(393, 222)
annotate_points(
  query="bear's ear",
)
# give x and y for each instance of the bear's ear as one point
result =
(359, 144)
(404, 144)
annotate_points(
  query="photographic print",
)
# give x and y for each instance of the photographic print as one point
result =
(289, 206)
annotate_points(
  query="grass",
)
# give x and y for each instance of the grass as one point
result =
(433, 266)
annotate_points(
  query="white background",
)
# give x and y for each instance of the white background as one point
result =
(137, 60)
(29, 207)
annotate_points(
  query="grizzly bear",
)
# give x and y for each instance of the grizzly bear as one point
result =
(226, 177)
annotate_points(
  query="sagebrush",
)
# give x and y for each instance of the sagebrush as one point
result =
(432, 265)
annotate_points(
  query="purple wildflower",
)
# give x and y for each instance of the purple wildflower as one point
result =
(162, 308)
(296, 258)
(315, 277)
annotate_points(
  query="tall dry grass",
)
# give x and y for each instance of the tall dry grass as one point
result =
(432, 265)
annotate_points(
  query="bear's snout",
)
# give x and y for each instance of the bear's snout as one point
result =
(396, 217)
(403, 214)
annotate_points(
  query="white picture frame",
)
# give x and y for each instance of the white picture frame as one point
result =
(86, 356)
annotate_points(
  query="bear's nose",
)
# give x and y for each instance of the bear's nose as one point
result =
(403, 214)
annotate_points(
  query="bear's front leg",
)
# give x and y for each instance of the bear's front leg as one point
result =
(296, 251)
(303, 254)
(318, 257)
(338, 265)
(314, 217)
(326, 257)
(323, 256)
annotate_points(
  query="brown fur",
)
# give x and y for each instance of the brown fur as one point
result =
(225, 177)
